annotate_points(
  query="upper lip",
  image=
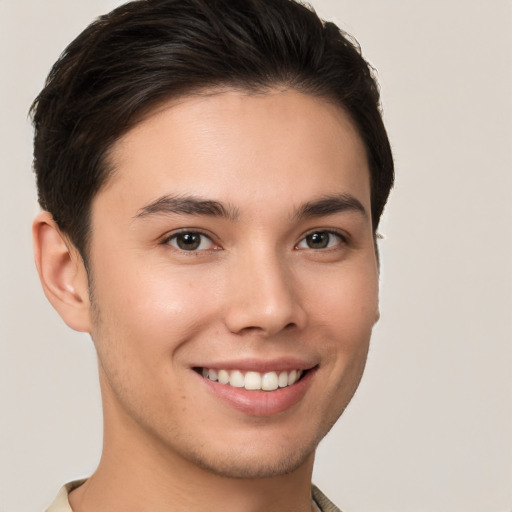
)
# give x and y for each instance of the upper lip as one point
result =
(260, 365)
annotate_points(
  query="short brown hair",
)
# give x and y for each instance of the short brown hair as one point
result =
(147, 51)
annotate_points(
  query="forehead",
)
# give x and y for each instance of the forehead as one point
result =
(243, 148)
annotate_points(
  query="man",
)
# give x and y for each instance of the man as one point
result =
(212, 174)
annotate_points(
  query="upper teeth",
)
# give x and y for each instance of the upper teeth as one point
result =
(253, 380)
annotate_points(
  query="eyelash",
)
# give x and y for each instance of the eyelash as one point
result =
(343, 239)
(202, 236)
(195, 232)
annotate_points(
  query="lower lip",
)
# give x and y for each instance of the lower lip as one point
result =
(261, 403)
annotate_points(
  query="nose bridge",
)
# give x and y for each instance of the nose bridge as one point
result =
(263, 294)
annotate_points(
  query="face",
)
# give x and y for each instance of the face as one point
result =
(234, 279)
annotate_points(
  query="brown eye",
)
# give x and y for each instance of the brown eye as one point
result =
(320, 240)
(190, 241)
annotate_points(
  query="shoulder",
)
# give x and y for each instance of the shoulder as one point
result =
(323, 502)
(61, 502)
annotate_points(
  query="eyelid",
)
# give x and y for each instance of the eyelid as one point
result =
(196, 231)
(169, 236)
(331, 231)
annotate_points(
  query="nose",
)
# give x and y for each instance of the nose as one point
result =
(263, 296)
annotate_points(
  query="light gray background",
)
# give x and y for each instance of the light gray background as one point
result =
(430, 428)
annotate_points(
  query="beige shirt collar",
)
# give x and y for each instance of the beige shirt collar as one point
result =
(61, 502)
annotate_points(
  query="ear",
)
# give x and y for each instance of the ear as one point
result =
(62, 273)
(376, 238)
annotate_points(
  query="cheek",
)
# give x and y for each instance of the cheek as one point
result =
(149, 312)
(141, 325)
(347, 301)
(345, 311)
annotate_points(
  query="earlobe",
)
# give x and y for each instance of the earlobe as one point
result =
(62, 273)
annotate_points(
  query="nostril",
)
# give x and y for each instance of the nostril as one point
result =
(250, 328)
(256, 329)
(265, 314)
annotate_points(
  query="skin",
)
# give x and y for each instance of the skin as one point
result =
(253, 291)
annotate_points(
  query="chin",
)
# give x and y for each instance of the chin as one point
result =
(262, 458)
(240, 466)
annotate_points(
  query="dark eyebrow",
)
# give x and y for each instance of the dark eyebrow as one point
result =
(187, 205)
(328, 205)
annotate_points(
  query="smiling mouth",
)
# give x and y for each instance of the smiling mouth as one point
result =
(253, 381)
